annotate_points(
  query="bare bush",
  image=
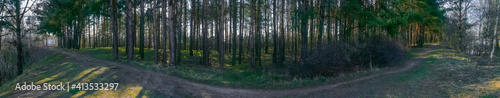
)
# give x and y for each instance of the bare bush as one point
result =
(7, 62)
(8, 57)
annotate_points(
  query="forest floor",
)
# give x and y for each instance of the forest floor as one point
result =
(434, 72)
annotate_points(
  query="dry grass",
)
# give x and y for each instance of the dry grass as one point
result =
(449, 73)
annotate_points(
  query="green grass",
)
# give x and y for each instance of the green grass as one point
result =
(418, 73)
(438, 51)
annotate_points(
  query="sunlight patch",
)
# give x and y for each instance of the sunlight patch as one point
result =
(2, 94)
(83, 73)
(495, 84)
(134, 91)
(484, 88)
(80, 93)
(49, 78)
(92, 75)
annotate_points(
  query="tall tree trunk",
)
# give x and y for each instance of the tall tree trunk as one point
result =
(155, 33)
(283, 37)
(495, 33)
(221, 34)
(90, 32)
(258, 33)
(275, 35)
(19, 45)
(0, 40)
(206, 51)
(164, 30)
(94, 35)
(303, 18)
(83, 34)
(184, 30)
(336, 26)
(134, 23)
(242, 7)
(114, 28)
(252, 33)
(321, 20)
(234, 32)
(329, 25)
(192, 31)
(184, 33)
(460, 33)
(141, 31)
(266, 30)
(130, 42)
(171, 30)
(295, 33)
(74, 34)
(150, 33)
(178, 37)
(2, 9)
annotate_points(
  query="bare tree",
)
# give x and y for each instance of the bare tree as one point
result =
(17, 17)
(460, 8)
(495, 31)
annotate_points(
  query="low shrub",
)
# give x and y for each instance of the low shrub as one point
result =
(329, 60)
(383, 52)
(8, 62)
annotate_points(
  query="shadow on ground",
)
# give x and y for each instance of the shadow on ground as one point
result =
(67, 71)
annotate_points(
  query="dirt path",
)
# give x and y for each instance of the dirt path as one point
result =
(177, 87)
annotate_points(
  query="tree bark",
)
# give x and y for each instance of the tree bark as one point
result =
(0, 39)
(275, 35)
(130, 42)
(141, 31)
(252, 39)
(172, 32)
(495, 33)
(19, 45)
(234, 32)
(242, 7)
(206, 51)
(303, 18)
(193, 24)
(221, 34)
(322, 17)
(283, 37)
(164, 29)
(114, 28)
(258, 33)
(155, 33)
